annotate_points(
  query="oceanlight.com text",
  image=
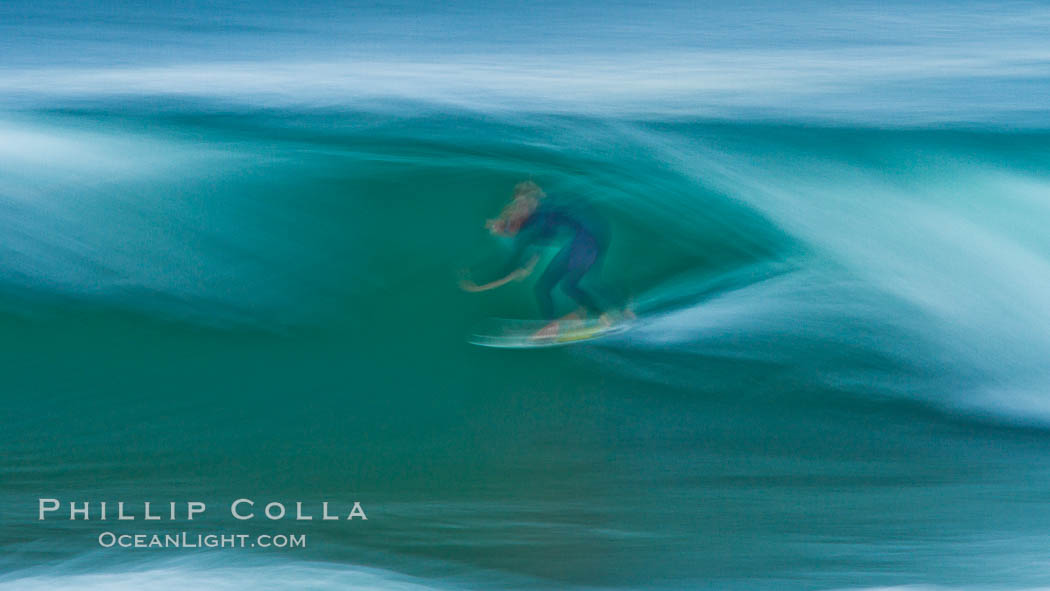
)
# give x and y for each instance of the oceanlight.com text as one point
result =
(188, 540)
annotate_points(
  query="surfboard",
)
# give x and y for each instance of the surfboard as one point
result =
(506, 333)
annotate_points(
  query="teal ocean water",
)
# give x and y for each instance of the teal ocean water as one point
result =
(230, 240)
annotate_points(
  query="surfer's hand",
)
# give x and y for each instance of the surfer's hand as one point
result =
(464, 281)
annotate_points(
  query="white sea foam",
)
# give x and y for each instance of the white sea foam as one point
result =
(942, 268)
(909, 83)
(186, 574)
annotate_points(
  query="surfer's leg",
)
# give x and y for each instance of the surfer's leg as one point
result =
(550, 278)
(581, 260)
(614, 301)
(571, 286)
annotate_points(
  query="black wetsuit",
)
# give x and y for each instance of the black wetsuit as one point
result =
(586, 240)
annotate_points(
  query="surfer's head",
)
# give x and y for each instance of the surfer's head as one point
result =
(528, 190)
(526, 199)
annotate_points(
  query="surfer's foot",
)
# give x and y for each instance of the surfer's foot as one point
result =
(605, 320)
(547, 332)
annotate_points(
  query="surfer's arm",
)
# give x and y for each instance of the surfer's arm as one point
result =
(513, 270)
(515, 275)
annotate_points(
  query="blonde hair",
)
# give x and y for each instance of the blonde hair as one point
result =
(528, 189)
(527, 195)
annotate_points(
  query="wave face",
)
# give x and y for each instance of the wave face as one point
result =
(229, 259)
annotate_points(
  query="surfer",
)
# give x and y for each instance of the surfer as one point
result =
(533, 221)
